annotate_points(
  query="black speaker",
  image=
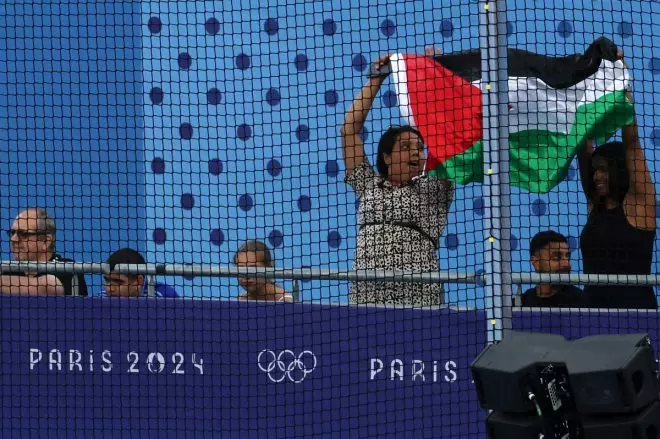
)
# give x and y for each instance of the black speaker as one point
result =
(503, 371)
(606, 374)
(612, 373)
(509, 426)
(642, 425)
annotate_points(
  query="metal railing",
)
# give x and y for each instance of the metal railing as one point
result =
(208, 270)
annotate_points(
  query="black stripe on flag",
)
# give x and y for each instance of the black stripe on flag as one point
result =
(557, 72)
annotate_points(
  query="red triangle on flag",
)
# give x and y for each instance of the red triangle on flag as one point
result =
(444, 107)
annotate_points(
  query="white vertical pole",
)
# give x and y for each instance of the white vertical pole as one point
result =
(497, 224)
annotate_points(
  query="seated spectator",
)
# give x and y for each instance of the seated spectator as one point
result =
(33, 240)
(256, 254)
(550, 253)
(127, 285)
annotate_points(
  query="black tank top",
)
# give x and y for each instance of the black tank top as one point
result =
(610, 245)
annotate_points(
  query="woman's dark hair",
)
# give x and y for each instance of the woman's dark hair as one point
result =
(386, 144)
(614, 154)
(257, 247)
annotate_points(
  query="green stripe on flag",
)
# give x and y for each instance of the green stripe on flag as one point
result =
(539, 159)
(466, 167)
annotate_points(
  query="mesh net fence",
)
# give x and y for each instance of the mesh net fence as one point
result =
(227, 156)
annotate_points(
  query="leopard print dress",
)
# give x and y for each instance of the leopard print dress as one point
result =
(381, 244)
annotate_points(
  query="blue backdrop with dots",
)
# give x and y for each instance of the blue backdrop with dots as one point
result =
(185, 128)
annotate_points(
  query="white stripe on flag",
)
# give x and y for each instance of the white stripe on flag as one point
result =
(537, 106)
(400, 79)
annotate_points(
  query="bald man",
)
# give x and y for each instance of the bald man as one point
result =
(33, 240)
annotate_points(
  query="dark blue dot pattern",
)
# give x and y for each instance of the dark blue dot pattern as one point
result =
(364, 134)
(159, 236)
(215, 166)
(331, 168)
(329, 27)
(214, 96)
(276, 238)
(271, 26)
(242, 61)
(274, 168)
(655, 137)
(302, 133)
(273, 97)
(625, 29)
(514, 242)
(539, 207)
(212, 26)
(217, 237)
(387, 27)
(304, 203)
(186, 131)
(245, 202)
(184, 60)
(565, 29)
(301, 62)
(243, 132)
(334, 239)
(155, 25)
(187, 201)
(654, 65)
(479, 206)
(446, 28)
(279, 68)
(157, 165)
(389, 99)
(359, 63)
(331, 98)
(451, 241)
(156, 95)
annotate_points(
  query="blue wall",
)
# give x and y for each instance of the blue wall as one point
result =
(71, 137)
(234, 132)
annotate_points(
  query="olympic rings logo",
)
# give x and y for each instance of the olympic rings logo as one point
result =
(286, 365)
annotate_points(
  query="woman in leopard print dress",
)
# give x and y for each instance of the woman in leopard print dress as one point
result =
(402, 212)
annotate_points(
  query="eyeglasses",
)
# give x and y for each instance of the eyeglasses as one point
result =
(24, 234)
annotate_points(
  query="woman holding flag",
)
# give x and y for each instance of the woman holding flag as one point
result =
(402, 212)
(620, 231)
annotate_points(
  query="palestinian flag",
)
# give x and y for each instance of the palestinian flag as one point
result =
(555, 104)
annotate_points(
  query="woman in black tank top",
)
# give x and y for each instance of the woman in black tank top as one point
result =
(620, 231)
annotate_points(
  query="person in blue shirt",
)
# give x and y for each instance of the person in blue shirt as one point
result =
(125, 285)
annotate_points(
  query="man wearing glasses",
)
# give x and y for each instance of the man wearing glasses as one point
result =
(33, 240)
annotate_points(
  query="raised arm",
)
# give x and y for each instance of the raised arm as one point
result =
(352, 146)
(640, 201)
(584, 156)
